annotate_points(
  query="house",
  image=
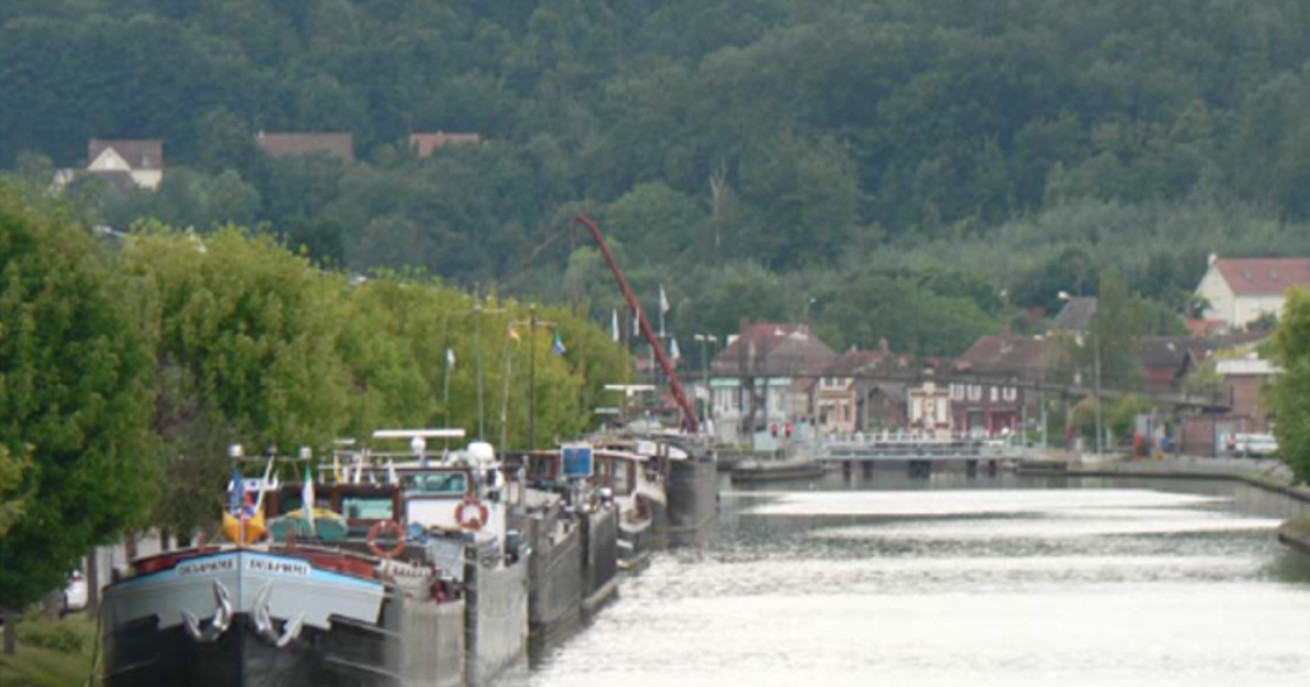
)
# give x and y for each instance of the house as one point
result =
(425, 145)
(862, 390)
(1244, 381)
(928, 409)
(763, 380)
(127, 163)
(987, 383)
(296, 144)
(1238, 291)
(1076, 315)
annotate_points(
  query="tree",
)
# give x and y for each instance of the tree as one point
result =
(11, 478)
(76, 373)
(1292, 387)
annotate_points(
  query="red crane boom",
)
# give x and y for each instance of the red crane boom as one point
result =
(666, 363)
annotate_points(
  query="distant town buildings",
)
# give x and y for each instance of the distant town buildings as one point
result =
(1239, 291)
(426, 144)
(126, 163)
(280, 145)
(776, 363)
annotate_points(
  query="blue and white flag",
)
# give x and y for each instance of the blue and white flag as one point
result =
(307, 499)
(673, 348)
(614, 325)
(237, 504)
(559, 345)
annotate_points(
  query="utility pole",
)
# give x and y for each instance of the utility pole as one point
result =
(532, 323)
(477, 312)
(1096, 354)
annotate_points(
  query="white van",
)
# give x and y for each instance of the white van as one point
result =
(1255, 445)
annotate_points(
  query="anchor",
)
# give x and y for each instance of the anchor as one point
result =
(218, 624)
(264, 620)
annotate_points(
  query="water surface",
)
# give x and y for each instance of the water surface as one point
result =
(952, 581)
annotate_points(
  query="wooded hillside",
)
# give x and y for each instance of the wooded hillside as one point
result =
(959, 159)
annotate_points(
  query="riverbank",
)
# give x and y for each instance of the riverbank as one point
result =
(1268, 475)
(45, 666)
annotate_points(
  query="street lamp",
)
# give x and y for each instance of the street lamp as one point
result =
(705, 339)
(1096, 374)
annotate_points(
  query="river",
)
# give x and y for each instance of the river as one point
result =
(958, 581)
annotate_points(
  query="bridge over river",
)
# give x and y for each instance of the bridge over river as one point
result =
(918, 452)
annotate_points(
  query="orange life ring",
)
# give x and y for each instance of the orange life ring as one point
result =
(377, 529)
(468, 520)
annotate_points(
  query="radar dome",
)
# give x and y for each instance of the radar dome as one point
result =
(481, 453)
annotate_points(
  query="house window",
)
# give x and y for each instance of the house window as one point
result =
(846, 412)
(1011, 393)
(995, 393)
(975, 392)
(957, 392)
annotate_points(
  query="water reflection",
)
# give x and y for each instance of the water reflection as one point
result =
(953, 581)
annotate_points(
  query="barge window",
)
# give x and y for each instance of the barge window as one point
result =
(437, 483)
(367, 507)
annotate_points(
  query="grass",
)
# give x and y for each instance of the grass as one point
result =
(34, 666)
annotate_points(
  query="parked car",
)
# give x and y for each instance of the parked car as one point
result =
(75, 592)
(1254, 445)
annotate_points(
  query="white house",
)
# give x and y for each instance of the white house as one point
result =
(781, 362)
(1239, 290)
(136, 163)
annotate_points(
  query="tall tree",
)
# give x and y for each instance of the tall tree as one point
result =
(1292, 388)
(76, 376)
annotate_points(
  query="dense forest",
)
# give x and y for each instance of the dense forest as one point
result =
(920, 170)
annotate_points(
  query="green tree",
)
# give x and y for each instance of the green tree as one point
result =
(11, 478)
(1290, 389)
(75, 374)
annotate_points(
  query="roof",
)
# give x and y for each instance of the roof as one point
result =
(853, 361)
(139, 154)
(1199, 327)
(1009, 355)
(292, 144)
(1263, 276)
(1166, 351)
(774, 349)
(1246, 366)
(1076, 315)
(427, 144)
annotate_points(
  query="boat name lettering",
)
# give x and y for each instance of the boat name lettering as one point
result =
(207, 567)
(278, 567)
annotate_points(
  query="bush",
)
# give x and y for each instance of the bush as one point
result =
(55, 636)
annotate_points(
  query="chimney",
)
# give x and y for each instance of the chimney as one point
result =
(1213, 257)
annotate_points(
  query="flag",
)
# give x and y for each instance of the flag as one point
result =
(450, 357)
(307, 498)
(559, 345)
(636, 326)
(673, 348)
(614, 325)
(510, 331)
(236, 501)
(392, 478)
(663, 308)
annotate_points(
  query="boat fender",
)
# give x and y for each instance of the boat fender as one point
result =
(377, 529)
(472, 514)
